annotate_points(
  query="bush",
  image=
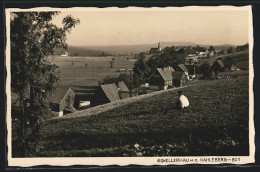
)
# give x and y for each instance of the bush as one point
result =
(205, 70)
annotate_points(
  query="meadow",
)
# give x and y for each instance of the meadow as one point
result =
(216, 123)
(73, 70)
(83, 73)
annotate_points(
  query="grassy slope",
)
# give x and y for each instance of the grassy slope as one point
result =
(215, 124)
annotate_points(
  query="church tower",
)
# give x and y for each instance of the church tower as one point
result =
(159, 47)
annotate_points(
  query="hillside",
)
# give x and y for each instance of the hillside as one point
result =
(215, 124)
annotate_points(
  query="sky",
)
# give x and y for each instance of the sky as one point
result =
(104, 28)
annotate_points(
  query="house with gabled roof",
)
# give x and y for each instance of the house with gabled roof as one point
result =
(105, 94)
(217, 66)
(123, 91)
(63, 99)
(179, 79)
(161, 78)
(182, 68)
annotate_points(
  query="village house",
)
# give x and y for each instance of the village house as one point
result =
(217, 66)
(156, 50)
(123, 91)
(191, 59)
(105, 94)
(182, 68)
(201, 54)
(64, 99)
(161, 78)
(179, 79)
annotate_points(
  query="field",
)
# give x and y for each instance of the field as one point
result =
(216, 123)
(84, 79)
(74, 72)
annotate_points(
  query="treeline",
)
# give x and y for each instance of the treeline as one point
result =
(242, 47)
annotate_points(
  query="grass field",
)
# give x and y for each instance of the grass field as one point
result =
(74, 72)
(84, 79)
(216, 123)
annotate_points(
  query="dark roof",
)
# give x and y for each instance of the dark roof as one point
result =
(183, 68)
(154, 50)
(177, 75)
(122, 86)
(165, 73)
(220, 62)
(59, 94)
(111, 91)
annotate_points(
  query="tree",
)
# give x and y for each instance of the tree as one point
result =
(211, 48)
(122, 77)
(206, 71)
(239, 48)
(140, 71)
(230, 50)
(112, 63)
(33, 39)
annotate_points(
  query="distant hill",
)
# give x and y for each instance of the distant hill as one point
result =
(121, 49)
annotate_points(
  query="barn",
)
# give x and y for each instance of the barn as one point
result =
(64, 99)
(105, 94)
(161, 78)
(179, 79)
(123, 91)
(217, 66)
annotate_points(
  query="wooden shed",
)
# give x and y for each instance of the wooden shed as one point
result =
(179, 79)
(161, 78)
(105, 94)
(123, 91)
(64, 99)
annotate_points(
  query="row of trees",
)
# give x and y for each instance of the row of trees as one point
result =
(242, 47)
(115, 79)
(33, 38)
